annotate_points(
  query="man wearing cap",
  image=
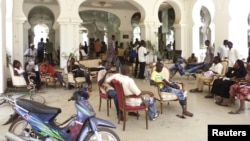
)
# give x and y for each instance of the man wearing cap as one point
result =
(31, 53)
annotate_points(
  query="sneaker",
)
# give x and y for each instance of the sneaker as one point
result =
(156, 116)
(29, 87)
(64, 85)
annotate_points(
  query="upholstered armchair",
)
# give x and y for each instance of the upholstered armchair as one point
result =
(47, 78)
(17, 81)
(163, 97)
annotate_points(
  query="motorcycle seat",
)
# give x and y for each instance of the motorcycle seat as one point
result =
(36, 107)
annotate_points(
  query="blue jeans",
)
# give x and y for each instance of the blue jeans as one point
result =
(112, 94)
(177, 67)
(151, 107)
(193, 68)
(177, 92)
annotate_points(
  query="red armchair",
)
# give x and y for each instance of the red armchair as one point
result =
(125, 108)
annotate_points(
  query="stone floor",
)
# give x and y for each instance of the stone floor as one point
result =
(166, 127)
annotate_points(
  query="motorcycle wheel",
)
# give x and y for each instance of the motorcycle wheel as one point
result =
(105, 134)
(35, 97)
(21, 129)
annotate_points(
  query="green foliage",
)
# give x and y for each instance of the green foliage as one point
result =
(8, 59)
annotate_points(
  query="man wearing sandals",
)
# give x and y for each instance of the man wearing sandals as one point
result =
(157, 78)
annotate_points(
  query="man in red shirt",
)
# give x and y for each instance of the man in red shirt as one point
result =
(48, 68)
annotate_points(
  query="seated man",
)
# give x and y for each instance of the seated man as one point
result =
(19, 71)
(177, 67)
(75, 69)
(107, 88)
(191, 61)
(130, 87)
(48, 68)
(157, 78)
(31, 69)
(216, 68)
(191, 66)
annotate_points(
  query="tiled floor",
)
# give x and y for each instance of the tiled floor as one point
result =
(166, 127)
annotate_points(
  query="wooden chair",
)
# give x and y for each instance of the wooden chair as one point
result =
(47, 78)
(104, 96)
(209, 83)
(76, 81)
(17, 81)
(125, 108)
(166, 96)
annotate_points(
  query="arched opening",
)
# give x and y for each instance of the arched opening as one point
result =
(166, 32)
(204, 30)
(41, 20)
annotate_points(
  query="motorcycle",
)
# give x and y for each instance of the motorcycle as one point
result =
(33, 121)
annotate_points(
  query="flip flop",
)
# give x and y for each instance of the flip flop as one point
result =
(181, 116)
(188, 114)
(233, 113)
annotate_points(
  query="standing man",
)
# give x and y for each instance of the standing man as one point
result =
(233, 55)
(40, 50)
(136, 47)
(111, 54)
(223, 50)
(98, 47)
(208, 61)
(49, 50)
(142, 53)
(31, 53)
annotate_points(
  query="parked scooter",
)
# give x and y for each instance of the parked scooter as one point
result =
(34, 121)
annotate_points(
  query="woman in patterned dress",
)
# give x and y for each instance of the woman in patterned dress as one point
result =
(241, 91)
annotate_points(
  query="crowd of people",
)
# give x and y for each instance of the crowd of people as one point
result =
(119, 57)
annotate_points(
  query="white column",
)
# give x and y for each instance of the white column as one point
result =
(3, 78)
(149, 32)
(18, 40)
(181, 40)
(69, 41)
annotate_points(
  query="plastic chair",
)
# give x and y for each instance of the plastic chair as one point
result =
(104, 96)
(125, 108)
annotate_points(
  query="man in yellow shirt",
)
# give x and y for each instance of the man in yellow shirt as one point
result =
(157, 77)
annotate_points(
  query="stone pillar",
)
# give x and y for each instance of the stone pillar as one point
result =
(180, 39)
(3, 78)
(69, 40)
(149, 32)
(18, 40)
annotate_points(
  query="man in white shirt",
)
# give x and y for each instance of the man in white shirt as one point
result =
(233, 55)
(142, 53)
(130, 88)
(216, 68)
(106, 87)
(31, 53)
(223, 50)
